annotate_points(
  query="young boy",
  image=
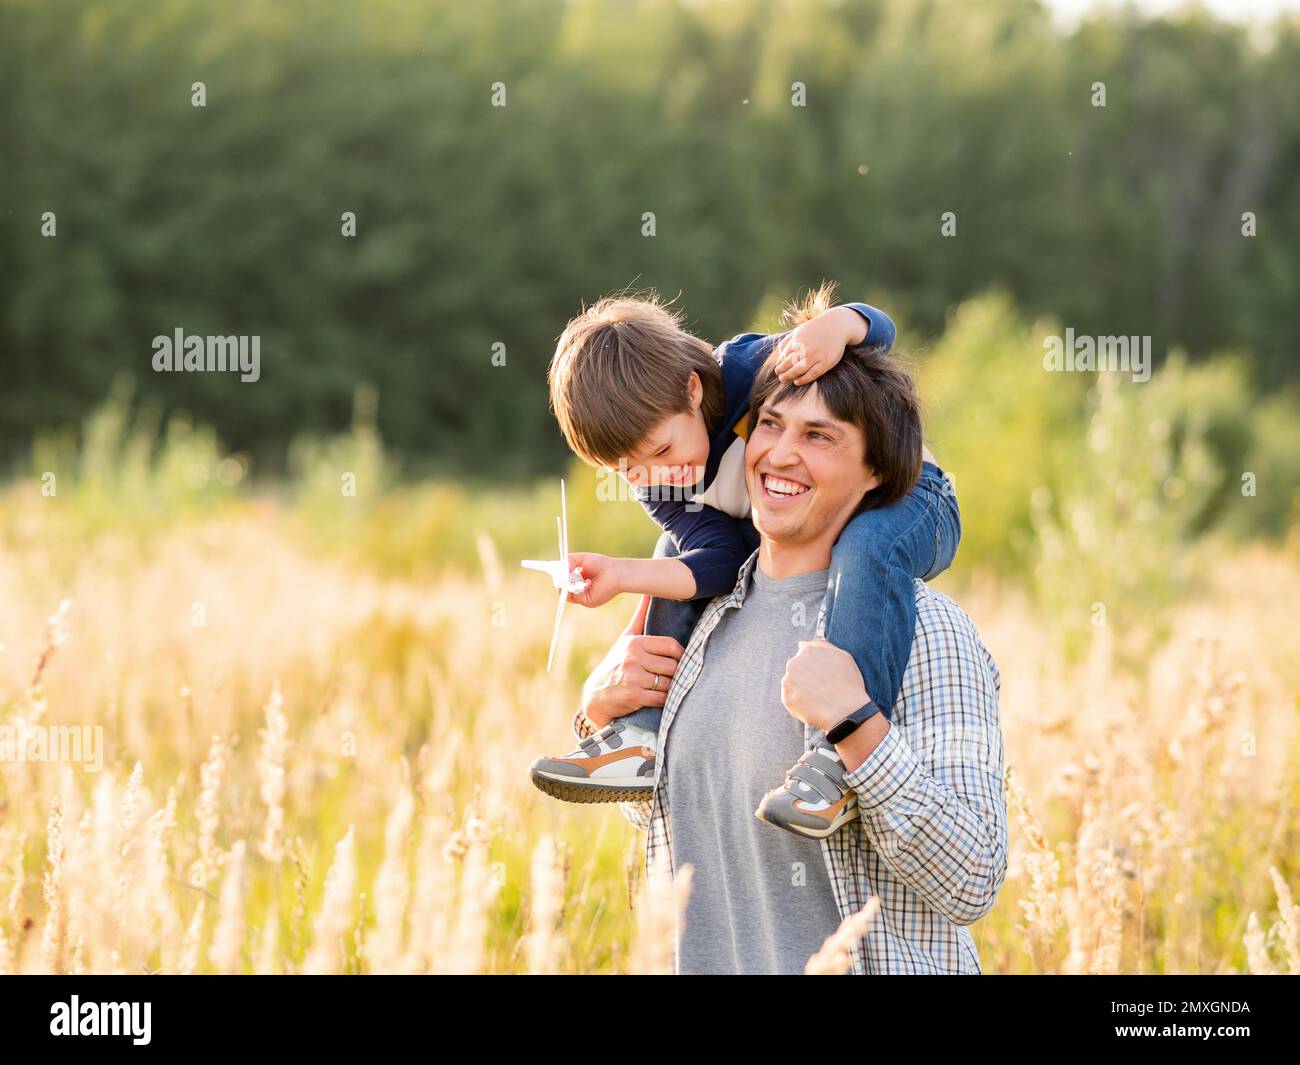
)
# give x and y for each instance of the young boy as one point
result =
(636, 393)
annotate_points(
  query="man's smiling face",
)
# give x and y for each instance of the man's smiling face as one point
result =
(804, 469)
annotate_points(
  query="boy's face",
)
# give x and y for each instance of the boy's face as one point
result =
(676, 451)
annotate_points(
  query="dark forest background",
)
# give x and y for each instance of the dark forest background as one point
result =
(479, 224)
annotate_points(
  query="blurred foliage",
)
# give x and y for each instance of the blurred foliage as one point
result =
(423, 529)
(1163, 463)
(1096, 486)
(1109, 493)
(480, 225)
(1106, 549)
(126, 467)
(998, 424)
(339, 481)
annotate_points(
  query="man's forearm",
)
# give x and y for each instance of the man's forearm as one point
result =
(858, 746)
(945, 838)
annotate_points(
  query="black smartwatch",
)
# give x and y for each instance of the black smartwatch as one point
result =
(846, 726)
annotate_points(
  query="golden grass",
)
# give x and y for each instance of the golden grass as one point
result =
(309, 768)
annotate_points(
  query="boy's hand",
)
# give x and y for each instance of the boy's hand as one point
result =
(668, 578)
(809, 350)
(602, 576)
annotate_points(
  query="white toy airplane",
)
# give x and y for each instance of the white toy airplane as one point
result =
(562, 577)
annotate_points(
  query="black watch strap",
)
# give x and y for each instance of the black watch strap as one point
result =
(846, 726)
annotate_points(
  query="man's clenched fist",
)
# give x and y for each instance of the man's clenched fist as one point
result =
(822, 684)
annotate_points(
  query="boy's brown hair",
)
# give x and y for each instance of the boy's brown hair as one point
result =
(868, 388)
(620, 368)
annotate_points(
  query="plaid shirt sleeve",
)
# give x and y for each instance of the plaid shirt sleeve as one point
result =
(638, 813)
(930, 796)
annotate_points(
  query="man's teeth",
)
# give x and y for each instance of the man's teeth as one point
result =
(777, 486)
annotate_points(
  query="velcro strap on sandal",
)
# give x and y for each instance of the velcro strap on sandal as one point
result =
(609, 736)
(824, 775)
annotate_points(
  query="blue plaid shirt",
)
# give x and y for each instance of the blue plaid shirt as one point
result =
(931, 838)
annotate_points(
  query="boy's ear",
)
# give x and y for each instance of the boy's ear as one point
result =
(695, 389)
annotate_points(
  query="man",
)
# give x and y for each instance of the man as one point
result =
(930, 836)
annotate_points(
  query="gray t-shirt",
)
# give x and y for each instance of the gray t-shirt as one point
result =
(761, 901)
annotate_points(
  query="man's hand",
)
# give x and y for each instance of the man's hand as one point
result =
(625, 679)
(822, 684)
(809, 350)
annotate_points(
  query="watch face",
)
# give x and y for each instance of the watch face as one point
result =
(848, 725)
(841, 730)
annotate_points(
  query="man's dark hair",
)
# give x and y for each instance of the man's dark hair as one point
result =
(870, 389)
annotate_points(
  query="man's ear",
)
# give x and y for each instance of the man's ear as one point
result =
(874, 482)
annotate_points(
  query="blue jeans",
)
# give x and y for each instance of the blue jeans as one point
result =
(870, 599)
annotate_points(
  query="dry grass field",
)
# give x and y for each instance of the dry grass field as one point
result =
(310, 766)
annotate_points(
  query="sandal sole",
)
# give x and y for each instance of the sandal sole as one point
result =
(569, 791)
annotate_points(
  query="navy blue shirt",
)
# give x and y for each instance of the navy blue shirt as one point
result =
(709, 522)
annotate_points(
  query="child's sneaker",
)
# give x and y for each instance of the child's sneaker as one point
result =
(815, 798)
(615, 764)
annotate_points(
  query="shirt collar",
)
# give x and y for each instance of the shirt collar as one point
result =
(737, 595)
